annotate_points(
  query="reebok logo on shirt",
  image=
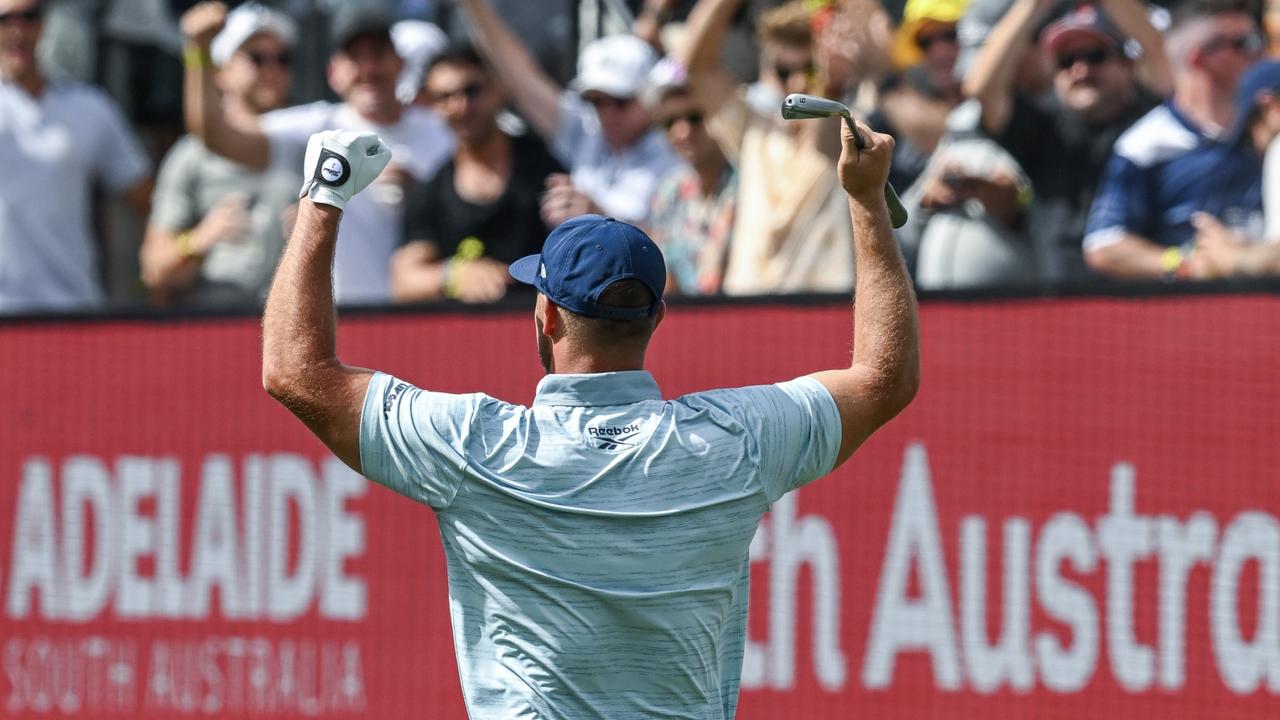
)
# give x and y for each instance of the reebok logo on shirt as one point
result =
(612, 437)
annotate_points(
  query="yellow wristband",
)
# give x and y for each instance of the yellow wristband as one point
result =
(196, 58)
(183, 240)
(1170, 260)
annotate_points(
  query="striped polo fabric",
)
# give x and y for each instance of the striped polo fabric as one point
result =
(597, 540)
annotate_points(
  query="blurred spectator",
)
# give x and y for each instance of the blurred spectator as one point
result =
(600, 130)
(214, 235)
(792, 231)
(694, 208)
(1140, 223)
(58, 138)
(363, 71)
(1238, 231)
(481, 210)
(914, 102)
(1061, 141)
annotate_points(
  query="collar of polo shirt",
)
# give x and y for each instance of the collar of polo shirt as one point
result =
(594, 389)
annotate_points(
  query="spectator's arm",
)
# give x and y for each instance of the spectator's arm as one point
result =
(417, 272)
(700, 47)
(536, 94)
(170, 259)
(1130, 16)
(201, 105)
(990, 78)
(1127, 256)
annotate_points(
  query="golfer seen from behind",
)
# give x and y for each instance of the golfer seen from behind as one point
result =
(596, 541)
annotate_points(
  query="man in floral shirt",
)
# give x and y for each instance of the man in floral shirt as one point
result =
(693, 209)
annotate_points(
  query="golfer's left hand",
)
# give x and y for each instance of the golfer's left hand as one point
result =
(341, 163)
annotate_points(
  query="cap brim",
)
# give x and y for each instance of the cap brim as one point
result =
(1054, 41)
(526, 268)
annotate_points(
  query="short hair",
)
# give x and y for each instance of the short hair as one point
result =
(458, 54)
(1189, 10)
(598, 332)
(786, 24)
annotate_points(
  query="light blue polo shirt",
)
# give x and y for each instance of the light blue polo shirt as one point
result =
(597, 541)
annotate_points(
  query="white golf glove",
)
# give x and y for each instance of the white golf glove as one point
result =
(341, 163)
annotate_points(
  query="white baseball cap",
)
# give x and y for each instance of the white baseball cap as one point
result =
(418, 42)
(615, 65)
(246, 21)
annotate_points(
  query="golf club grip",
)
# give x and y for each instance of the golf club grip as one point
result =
(897, 212)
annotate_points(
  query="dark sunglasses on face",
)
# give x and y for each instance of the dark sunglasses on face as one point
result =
(470, 91)
(1091, 57)
(927, 41)
(607, 101)
(693, 118)
(260, 59)
(32, 15)
(785, 72)
(1249, 43)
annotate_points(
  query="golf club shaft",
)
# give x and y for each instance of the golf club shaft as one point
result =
(897, 211)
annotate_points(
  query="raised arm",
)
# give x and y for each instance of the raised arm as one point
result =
(300, 365)
(884, 374)
(990, 78)
(536, 94)
(700, 46)
(201, 105)
(1131, 17)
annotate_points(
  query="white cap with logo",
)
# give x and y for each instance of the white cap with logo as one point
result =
(615, 65)
(246, 21)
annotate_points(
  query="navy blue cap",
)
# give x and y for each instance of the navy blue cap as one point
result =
(1261, 77)
(584, 256)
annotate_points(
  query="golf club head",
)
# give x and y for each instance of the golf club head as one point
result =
(798, 106)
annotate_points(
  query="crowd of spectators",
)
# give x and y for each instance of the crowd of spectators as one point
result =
(1038, 142)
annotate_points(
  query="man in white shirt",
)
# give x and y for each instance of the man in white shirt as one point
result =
(57, 139)
(598, 129)
(363, 70)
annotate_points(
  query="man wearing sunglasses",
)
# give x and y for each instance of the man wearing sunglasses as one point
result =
(696, 203)
(480, 212)
(363, 70)
(57, 139)
(1099, 88)
(1140, 224)
(214, 233)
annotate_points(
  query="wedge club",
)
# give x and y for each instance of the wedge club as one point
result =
(798, 106)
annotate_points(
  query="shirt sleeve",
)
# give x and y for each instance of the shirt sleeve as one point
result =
(572, 128)
(414, 441)
(173, 204)
(119, 160)
(796, 429)
(1122, 205)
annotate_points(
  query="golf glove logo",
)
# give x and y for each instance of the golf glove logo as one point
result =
(341, 163)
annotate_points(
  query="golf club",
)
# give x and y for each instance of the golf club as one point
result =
(798, 106)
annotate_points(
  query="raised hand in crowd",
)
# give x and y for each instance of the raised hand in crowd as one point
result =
(562, 200)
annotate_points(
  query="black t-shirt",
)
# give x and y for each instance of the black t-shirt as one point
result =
(509, 227)
(1064, 157)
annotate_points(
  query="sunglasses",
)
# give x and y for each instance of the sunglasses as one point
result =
(785, 72)
(607, 101)
(259, 59)
(32, 15)
(1091, 57)
(693, 118)
(927, 41)
(470, 91)
(1249, 44)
